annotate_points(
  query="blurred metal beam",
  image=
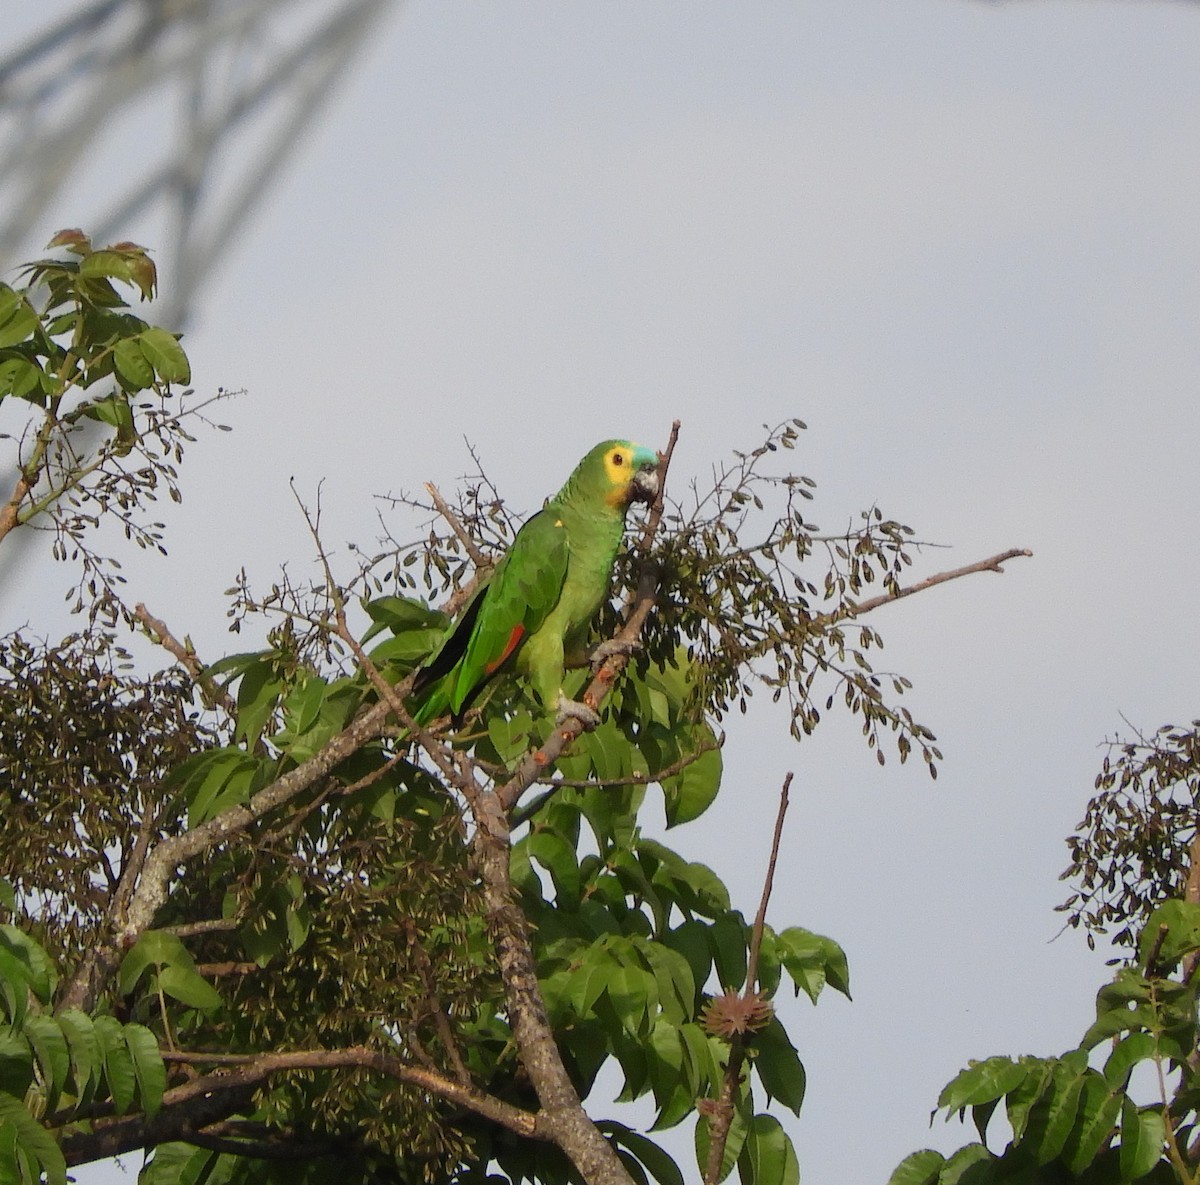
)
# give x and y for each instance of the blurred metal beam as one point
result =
(242, 78)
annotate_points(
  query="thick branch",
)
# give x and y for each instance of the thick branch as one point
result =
(992, 564)
(565, 1120)
(10, 510)
(124, 926)
(205, 1100)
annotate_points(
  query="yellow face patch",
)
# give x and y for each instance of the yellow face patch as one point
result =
(618, 466)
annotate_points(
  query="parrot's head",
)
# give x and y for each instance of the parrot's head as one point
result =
(629, 471)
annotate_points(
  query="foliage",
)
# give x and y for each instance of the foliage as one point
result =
(1134, 847)
(1124, 1105)
(91, 401)
(297, 935)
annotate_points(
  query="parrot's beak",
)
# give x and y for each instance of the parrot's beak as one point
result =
(644, 487)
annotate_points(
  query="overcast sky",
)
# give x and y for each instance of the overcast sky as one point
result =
(961, 240)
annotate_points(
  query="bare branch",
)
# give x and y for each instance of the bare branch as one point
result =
(720, 1110)
(186, 657)
(11, 509)
(461, 533)
(760, 919)
(992, 564)
(124, 926)
(196, 1104)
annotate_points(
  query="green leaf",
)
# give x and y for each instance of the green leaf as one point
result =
(1051, 1119)
(16, 1064)
(34, 1139)
(40, 973)
(401, 614)
(226, 780)
(982, 1083)
(17, 319)
(86, 1057)
(1143, 1139)
(303, 702)
(178, 1164)
(557, 857)
(660, 1166)
(691, 941)
(53, 1056)
(727, 943)
(608, 750)
(779, 1067)
(921, 1168)
(20, 377)
(131, 364)
(1137, 1047)
(1099, 1110)
(812, 960)
(165, 354)
(155, 948)
(189, 987)
(965, 1167)
(767, 1157)
(258, 695)
(115, 410)
(692, 791)
(148, 1067)
(118, 1065)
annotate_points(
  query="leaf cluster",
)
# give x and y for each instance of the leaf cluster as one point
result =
(1077, 1117)
(760, 599)
(85, 751)
(1133, 847)
(93, 392)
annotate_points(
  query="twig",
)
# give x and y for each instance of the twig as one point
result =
(186, 657)
(720, 1111)
(124, 927)
(527, 810)
(992, 564)
(760, 919)
(463, 535)
(440, 1019)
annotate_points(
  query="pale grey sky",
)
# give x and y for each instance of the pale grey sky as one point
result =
(959, 239)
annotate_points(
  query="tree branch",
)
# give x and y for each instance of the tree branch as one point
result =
(205, 1100)
(565, 1119)
(461, 533)
(124, 926)
(992, 564)
(186, 657)
(720, 1110)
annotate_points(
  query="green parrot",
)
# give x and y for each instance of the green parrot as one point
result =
(536, 608)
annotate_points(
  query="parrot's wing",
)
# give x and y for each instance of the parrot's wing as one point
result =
(454, 642)
(523, 589)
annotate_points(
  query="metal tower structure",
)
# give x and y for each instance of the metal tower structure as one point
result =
(225, 87)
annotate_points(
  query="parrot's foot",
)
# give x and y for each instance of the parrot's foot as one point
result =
(606, 650)
(572, 709)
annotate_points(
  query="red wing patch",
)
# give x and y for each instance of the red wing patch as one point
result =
(514, 640)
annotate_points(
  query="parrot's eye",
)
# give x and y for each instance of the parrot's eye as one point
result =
(618, 459)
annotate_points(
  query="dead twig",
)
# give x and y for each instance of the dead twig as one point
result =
(991, 564)
(720, 1111)
(187, 658)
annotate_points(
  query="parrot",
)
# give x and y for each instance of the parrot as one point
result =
(535, 609)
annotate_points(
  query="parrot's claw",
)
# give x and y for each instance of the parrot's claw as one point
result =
(572, 709)
(614, 646)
